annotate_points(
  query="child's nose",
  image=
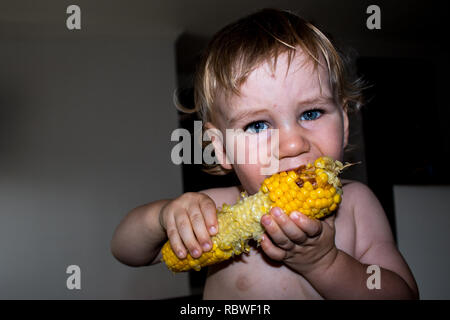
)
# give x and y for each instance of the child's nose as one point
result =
(293, 142)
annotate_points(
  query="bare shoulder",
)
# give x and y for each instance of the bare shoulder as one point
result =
(352, 187)
(361, 198)
(363, 203)
(371, 223)
(221, 196)
(354, 190)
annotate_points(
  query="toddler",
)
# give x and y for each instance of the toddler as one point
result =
(274, 71)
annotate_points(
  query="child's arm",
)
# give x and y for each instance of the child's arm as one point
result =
(138, 238)
(374, 245)
(186, 221)
(308, 247)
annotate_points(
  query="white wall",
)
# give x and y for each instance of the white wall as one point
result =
(423, 224)
(85, 128)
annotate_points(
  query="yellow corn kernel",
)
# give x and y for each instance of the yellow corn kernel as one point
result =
(279, 193)
(273, 197)
(293, 193)
(308, 186)
(322, 178)
(329, 201)
(288, 207)
(305, 192)
(317, 203)
(337, 198)
(319, 193)
(332, 191)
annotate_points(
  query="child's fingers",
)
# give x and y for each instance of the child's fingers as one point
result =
(272, 251)
(175, 240)
(330, 220)
(209, 211)
(289, 228)
(187, 235)
(275, 232)
(176, 243)
(311, 227)
(198, 224)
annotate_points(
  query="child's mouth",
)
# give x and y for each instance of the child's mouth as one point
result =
(299, 166)
(296, 168)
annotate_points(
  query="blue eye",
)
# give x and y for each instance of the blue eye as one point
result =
(256, 127)
(311, 114)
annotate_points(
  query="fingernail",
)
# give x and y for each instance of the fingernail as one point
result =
(266, 220)
(213, 230)
(276, 212)
(195, 252)
(294, 215)
(206, 246)
(180, 254)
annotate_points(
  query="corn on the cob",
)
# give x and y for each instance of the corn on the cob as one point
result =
(314, 190)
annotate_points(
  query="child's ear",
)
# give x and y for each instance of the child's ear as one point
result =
(346, 125)
(219, 145)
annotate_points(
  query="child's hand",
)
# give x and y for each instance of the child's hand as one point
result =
(189, 221)
(302, 243)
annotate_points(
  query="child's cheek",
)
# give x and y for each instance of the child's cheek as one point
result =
(332, 140)
(249, 149)
(264, 151)
(249, 177)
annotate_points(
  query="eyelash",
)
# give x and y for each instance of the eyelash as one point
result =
(313, 110)
(321, 111)
(254, 122)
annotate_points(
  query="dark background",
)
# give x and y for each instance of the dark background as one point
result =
(86, 118)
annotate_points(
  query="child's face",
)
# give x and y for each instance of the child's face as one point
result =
(309, 123)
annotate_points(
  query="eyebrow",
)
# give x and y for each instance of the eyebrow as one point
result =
(312, 100)
(243, 114)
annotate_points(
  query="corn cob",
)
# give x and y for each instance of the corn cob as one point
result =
(314, 190)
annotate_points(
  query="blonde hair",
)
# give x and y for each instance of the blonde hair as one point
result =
(236, 50)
